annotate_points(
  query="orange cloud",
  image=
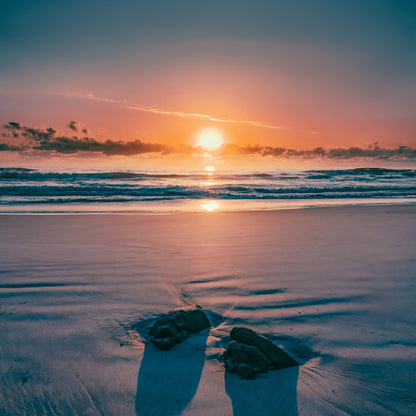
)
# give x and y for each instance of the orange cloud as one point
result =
(194, 116)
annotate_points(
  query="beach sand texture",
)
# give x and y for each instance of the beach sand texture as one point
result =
(335, 287)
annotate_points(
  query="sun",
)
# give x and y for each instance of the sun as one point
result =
(209, 140)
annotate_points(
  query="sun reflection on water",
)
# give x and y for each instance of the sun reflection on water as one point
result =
(210, 170)
(210, 205)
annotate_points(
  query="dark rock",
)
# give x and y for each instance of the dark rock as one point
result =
(276, 355)
(250, 353)
(175, 326)
(245, 360)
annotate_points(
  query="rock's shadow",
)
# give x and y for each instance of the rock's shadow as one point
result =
(273, 393)
(168, 380)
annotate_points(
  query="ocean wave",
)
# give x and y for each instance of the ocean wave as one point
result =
(21, 185)
(103, 194)
(361, 172)
(24, 174)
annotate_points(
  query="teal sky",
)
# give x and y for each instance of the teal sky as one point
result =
(344, 70)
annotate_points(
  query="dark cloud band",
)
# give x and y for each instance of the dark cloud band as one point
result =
(47, 141)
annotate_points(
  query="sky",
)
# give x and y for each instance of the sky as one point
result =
(296, 74)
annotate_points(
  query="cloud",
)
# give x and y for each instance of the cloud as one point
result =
(371, 152)
(73, 125)
(195, 116)
(202, 117)
(4, 147)
(47, 141)
(68, 145)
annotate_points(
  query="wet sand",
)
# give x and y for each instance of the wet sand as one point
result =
(335, 287)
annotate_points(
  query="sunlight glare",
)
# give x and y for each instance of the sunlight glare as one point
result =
(210, 206)
(209, 140)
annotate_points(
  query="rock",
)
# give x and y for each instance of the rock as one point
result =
(250, 353)
(175, 326)
(245, 360)
(276, 355)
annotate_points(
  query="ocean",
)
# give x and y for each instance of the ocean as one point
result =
(145, 190)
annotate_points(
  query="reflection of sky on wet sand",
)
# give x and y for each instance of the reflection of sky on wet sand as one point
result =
(210, 205)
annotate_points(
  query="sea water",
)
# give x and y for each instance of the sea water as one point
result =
(150, 190)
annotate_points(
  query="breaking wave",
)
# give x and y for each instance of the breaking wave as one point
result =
(23, 186)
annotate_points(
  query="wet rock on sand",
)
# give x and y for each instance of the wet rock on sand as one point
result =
(175, 326)
(251, 353)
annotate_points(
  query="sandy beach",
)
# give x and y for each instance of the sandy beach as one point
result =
(335, 287)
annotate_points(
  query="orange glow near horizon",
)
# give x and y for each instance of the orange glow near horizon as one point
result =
(210, 170)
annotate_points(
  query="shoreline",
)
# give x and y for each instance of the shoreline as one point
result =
(205, 206)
